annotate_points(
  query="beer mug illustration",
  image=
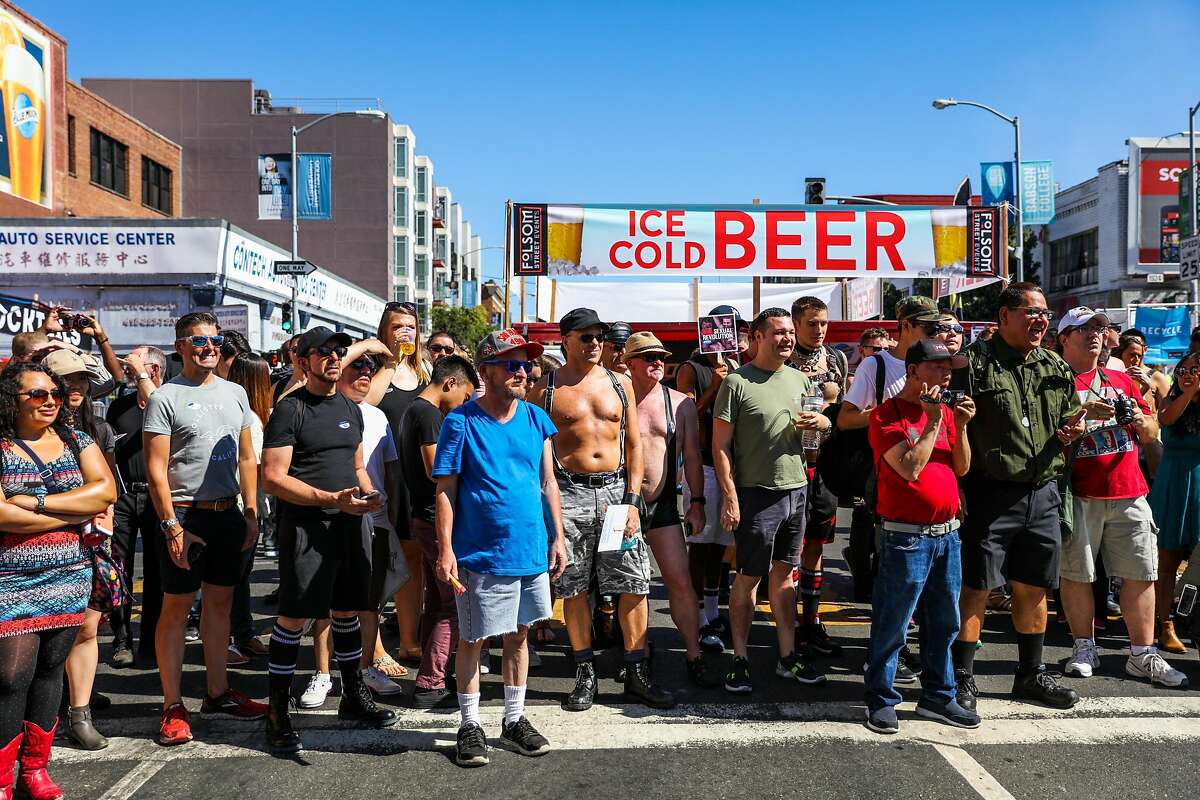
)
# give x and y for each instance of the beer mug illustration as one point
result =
(949, 238)
(564, 240)
(22, 82)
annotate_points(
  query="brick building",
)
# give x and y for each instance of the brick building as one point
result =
(94, 159)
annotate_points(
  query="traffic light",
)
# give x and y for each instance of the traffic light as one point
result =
(814, 191)
(285, 311)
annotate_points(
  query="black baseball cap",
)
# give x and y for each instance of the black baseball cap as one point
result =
(933, 350)
(727, 309)
(579, 318)
(315, 337)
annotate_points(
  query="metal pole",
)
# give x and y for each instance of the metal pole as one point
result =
(295, 239)
(1192, 194)
(1019, 203)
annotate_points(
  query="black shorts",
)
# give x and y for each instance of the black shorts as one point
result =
(324, 564)
(822, 511)
(771, 528)
(221, 563)
(1012, 532)
(664, 511)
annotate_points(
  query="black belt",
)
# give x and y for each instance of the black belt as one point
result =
(592, 480)
(137, 487)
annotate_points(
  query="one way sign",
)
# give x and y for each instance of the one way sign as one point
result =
(294, 268)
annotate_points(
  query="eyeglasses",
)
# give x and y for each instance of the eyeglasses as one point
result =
(511, 364)
(1096, 329)
(588, 338)
(364, 364)
(41, 394)
(1035, 313)
(201, 341)
(326, 350)
(1112, 326)
(441, 348)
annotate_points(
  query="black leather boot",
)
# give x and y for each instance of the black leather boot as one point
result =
(358, 705)
(581, 697)
(81, 731)
(639, 689)
(281, 738)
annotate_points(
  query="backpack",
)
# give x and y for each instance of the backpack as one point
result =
(845, 463)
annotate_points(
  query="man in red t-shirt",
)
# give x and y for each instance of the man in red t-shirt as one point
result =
(1112, 519)
(920, 445)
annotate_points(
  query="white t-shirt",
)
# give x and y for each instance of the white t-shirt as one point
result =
(862, 391)
(378, 449)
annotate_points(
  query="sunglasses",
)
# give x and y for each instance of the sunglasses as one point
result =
(652, 359)
(326, 350)
(511, 364)
(589, 338)
(944, 327)
(364, 365)
(441, 348)
(201, 341)
(41, 394)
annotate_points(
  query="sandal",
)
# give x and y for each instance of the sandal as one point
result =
(389, 666)
(999, 601)
(544, 635)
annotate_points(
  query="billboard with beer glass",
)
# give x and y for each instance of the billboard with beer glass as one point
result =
(25, 82)
(606, 241)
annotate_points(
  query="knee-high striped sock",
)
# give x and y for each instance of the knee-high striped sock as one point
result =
(282, 653)
(810, 594)
(347, 647)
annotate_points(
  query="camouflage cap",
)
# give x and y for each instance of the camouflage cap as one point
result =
(916, 306)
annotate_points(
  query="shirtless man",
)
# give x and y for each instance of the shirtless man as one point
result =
(827, 366)
(667, 423)
(597, 455)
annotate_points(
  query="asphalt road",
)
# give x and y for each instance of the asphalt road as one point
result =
(1125, 740)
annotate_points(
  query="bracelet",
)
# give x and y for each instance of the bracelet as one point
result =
(701, 500)
(102, 341)
(41, 504)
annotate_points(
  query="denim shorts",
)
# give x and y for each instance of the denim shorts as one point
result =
(494, 605)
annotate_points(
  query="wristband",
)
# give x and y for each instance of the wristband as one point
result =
(102, 341)
(636, 501)
(41, 504)
(701, 500)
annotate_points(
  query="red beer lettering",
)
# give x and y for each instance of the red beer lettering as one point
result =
(775, 240)
(889, 242)
(646, 215)
(675, 223)
(826, 240)
(724, 238)
(612, 255)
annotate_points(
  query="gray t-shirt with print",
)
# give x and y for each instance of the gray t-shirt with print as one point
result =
(204, 423)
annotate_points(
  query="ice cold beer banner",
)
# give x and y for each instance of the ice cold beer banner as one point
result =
(604, 241)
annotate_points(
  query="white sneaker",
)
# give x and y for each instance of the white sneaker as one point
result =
(319, 686)
(1084, 659)
(534, 659)
(379, 683)
(485, 659)
(1153, 666)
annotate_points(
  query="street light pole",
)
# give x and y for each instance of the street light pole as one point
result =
(942, 103)
(1192, 192)
(363, 112)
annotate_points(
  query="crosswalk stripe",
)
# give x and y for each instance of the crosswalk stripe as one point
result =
(982, 781)
(133, 780)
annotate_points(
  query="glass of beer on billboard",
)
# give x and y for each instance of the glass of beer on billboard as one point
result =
(564, 240)
(22, 83)
(950, 238)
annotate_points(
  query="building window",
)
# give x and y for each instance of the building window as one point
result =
(421, 222)
(1075, 261)
(156, 186)
(400, 294)
(71, 144)
(422, 311)
(421, 267)
(400, 255)
(441, 247)
(421, 187)
(109, 167)
(401, 157)
(400, 219)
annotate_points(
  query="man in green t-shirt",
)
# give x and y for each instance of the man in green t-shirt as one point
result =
(758, 452)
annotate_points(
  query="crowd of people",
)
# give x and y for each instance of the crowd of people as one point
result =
(470, 490)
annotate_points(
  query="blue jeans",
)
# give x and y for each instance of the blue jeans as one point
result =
(913, 567)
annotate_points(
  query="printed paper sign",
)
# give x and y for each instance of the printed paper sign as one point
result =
(717, 333)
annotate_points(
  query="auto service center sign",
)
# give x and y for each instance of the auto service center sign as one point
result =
(582, 241)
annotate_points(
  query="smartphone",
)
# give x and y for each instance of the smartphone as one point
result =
(369, 496)
(1187, 600)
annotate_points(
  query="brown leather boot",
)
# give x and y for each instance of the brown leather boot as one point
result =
(1168, 642)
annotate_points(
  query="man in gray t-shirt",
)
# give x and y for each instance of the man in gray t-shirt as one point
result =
(199, 458)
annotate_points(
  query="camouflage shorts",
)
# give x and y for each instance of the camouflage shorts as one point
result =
(619, 572)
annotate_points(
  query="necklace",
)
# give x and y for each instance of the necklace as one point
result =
(807, 360)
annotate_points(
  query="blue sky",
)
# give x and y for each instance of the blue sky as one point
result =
(686, 102)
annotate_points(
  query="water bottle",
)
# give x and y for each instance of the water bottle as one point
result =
(813, 402)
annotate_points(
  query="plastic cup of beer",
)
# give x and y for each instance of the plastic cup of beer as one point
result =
(22, 82)
(949, 238)
(564, 239)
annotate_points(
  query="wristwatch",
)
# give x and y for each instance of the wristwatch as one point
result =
(702, 500)
(166, 525)
(143, 376)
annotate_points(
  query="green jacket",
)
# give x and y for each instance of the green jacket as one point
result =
(1020, 403)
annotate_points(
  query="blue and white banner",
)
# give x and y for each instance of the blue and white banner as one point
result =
(1167, 332)
(315, 198)
(275, 183)
(1037, 192)
(996, 182)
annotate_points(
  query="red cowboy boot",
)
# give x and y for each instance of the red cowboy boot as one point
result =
(34, 782)
(8, 758)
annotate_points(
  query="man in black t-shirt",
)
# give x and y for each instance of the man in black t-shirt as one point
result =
(134, 514)
(313, 463)
(454, 381)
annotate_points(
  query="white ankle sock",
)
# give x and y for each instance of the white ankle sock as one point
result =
(1092, 642)
(710, 606)
(468, 708)
(514, 703)
(1138, 649)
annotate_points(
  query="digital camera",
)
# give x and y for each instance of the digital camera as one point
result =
(1123, 406)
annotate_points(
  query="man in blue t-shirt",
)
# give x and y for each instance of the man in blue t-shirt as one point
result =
(495, 475)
